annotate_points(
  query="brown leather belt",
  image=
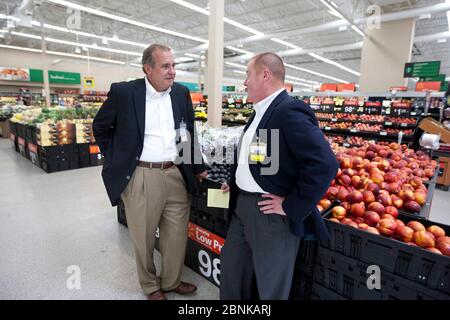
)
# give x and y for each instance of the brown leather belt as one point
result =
(156, 165)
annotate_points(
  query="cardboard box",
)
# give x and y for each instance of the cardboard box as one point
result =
(429, 125)
(444, 171)
(4, 129)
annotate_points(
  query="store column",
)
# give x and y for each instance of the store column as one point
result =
(384, 55)
(44, 61)
(215, 63)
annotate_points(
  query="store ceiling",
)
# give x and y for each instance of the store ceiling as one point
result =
(296, 22)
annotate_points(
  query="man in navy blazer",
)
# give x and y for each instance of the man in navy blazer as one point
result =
(284, 167)
(146, 131)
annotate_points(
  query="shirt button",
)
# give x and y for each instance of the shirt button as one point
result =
(137, 158)
(128, 177)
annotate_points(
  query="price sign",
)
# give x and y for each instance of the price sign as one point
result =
(400, 112)
(383, 133)
(327, 128)
(338, 109)
(360, 110)
(351, 106)
(315, 107)
(203, 252)
(372, 108)
(327, 108)
(403, 125)
(346, 144)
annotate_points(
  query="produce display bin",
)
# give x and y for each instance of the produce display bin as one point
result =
(395, 257)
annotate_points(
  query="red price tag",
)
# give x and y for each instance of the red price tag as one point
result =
(94, 149)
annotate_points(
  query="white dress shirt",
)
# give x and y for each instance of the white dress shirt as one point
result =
(159, 134)
(244, 178)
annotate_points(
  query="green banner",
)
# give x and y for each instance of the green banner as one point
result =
(444, 86)
(422, 69)
(440, 78)
(190, 85)
(37, 75)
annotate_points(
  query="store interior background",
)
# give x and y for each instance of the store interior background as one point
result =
(53, 221)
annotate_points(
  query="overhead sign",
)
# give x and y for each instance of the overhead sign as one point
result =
(346, 87)
(88, 82)
(328, 87)
(422, 69)
(37, 75)
(428, 86)
(440, 78)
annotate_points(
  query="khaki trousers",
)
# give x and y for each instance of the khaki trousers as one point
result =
(157, 198)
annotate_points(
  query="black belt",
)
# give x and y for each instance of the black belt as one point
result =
(254, 194)
(156, 165)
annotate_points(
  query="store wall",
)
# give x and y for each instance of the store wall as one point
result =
(104, 73)
(384, 55)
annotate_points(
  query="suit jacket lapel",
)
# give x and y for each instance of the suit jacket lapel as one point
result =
(283, 95)
(139, 105)
(177, 103)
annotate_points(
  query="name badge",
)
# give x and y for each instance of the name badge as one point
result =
(258, 152)
(183, 132)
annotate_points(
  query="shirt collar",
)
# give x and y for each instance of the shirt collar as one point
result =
(262, 106)
(152, 91)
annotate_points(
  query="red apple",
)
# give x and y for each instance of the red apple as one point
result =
(391, 211)
(387, 227)
(404, 233)
(346, 162)
(355, 197)
(416, 226)
(363, 226)
(373, 230)
(387, 216)
(397, 202)
(325, 203)
(359, 220)
(368, 196)
(423, 239)
(371, 218)
(384, 165)
(420, 197)
(384, 199)
(338, 212)
(350, 223)
(373, 187)
(399, 223)
(346, 205)
(357, 210)
(345, 180)
(356, 181)
(406, 195)
(342, 195)
(377, 207)
(377, 178)
(436, 231)
(444, 247)
(412, 206)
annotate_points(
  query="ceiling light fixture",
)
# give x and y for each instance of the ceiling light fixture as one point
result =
(314, 73)
(293, 46)
(316, 56)
(124, 20)
(57, 53)
(239, 50)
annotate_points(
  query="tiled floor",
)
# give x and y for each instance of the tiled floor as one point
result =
(50, 222)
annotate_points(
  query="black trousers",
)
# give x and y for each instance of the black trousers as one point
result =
(257, 245)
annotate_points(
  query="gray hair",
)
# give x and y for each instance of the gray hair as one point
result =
(147, 56)
(271, 61)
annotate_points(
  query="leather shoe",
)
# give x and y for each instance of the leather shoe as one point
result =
(157, 295)
(184, 288)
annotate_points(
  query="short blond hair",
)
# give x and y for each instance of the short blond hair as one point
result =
(271, 61)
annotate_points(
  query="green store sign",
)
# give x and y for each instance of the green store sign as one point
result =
(60, 77)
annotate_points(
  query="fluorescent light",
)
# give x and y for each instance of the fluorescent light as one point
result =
(206, 12)
(448, 19)
(358, 30)
(304, 80)
(442, 40)
(312, 54)
(182, 59)
(238, 50)
(114, 38)
(425, 16)
(239, 71)
(191, 6)
(330, 7)
(236, 65)
(125, 20)
(300, 84)
(293, 46)
(76, 44)
(192, 55)
(57, 53)
(2, 36)
(315, 73)
(241, 26)
(342, 28)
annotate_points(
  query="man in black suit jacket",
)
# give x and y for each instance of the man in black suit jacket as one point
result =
(284, 167)
(146, 131)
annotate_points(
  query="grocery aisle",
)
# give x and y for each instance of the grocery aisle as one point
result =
(52, 221)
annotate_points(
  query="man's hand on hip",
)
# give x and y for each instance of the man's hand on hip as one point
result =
(272, 205)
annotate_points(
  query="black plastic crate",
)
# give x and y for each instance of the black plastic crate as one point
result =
(348, 277)
(21, 130)
(321, 293)
(13, 127)
(413, 263)
(303, 278)
(96, 159)
(83, 155)
(22, 144)
(14, 142)
(426, 208)
(33, 152)
(49, 166)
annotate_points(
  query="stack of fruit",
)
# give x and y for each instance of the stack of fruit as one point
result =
(397, 120)
(367, 127)
(389, 176)
(371, 118)
(384, 221)
(396, 131)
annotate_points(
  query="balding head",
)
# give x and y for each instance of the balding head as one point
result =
(272, 62)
